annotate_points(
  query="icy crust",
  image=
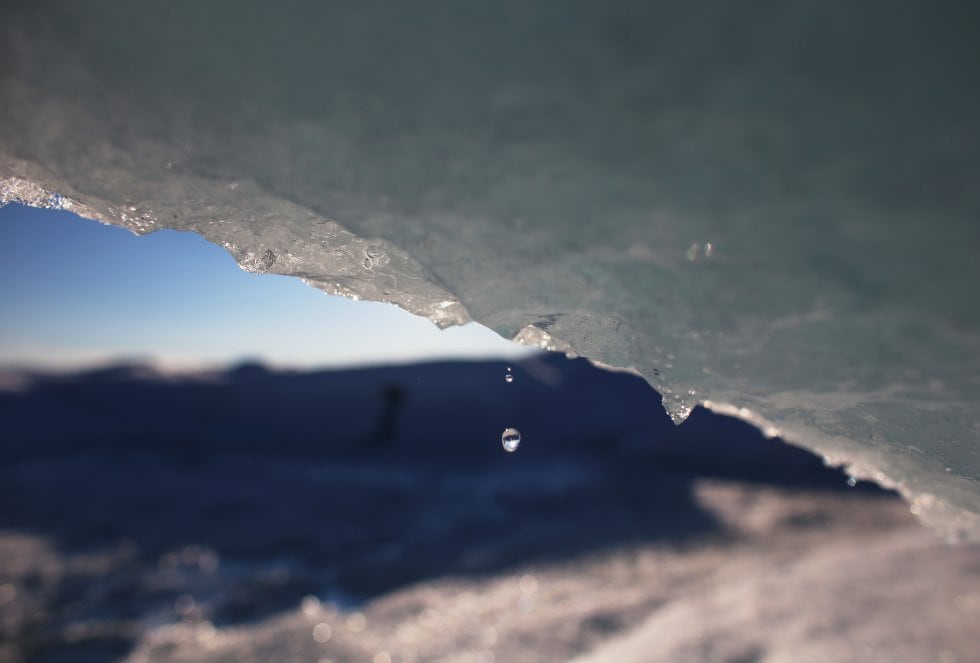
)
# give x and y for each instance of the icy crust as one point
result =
(327, 257)
(772, 215)
(908, 471)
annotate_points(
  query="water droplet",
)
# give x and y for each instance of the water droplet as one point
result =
(511, 439)
(852, 481)
(509, 378)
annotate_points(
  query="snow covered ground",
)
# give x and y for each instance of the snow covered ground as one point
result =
(372, 515)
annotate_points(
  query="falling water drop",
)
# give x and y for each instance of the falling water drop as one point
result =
(508, 377)
(511, 439)
(852, 481)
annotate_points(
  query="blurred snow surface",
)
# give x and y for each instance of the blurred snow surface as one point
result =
(268, 517)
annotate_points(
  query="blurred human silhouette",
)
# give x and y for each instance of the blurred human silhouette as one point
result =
(386, 429)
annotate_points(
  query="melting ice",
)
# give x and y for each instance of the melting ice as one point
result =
(774, 207)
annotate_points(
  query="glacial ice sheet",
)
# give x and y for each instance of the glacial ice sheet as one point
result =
(767, 208)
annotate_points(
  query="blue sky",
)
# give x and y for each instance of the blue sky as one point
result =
(75, 292)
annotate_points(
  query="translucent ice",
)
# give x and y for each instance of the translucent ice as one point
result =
(771, 211)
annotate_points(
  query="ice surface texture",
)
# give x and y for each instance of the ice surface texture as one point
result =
(768, 208)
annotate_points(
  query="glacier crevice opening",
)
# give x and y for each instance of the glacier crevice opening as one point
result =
(769, 211)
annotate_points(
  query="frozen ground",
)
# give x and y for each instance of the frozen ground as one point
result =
(372, 516)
